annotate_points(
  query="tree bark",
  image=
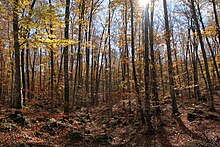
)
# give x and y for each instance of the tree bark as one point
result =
(175, 110)
(51, 60)
(133, 65)
(153, 71)
(23, 77)
(28, 73)
(210, 86)
(17, 56)
(88, 51)
(78, 73)
(147, 71)
(109, 54)
(195, 64)
(209, 45)
(66, 70)
(32, 76)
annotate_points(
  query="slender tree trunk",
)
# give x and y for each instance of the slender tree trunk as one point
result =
(161, 73)
(127, 53)
(170, 63)
(26, 36)
(11, 53)
(99, 68)
(125, 56)
(40, 84)
(195, 65)
(17, 56)
(32, 76)
(51, 60)
(153, 71)
(147, 71)
(28, 73)
(109, 54)
(133, 65)
(23, 77)
(209, 45)
(78, 76)
(72, 60)
(93, 66)
(12, 80)
(88, 51)
(106, 75)
(179, 91)
(59, 75)
(66, 70)
(210, 86)
(27, 87)
(187, 71)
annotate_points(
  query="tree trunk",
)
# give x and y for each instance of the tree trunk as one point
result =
(78, 76)
(59, 75)
(32, 76)
(195, 65)
(161, 73)
(133, 65)
(28, 73)
(51, 60)
(153, 71)
(66, 71)
(99, 68)
(187, 72)
(27, 57)
(23, 77)
(178, 91)
(209, 45)
(40, 84)
(109, 54)
(210, 87)
(170, 63)
(147, 71)
(88, 50)
(17, 56)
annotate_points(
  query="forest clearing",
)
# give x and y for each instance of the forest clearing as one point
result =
(110, 73)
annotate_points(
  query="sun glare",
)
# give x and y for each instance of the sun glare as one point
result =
(143, 2)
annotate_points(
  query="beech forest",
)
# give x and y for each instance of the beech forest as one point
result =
(90, 73)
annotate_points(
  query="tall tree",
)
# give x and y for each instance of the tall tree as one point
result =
(51, 55)
(109, 53)
(194, 44)
(146, 69)
(208, 42)
(78, 72)
(88, 47)
(175, 110)
(133, 64)
(26, 85)
(152, 54)
(210, 86)
(66, 71)
(17, 56)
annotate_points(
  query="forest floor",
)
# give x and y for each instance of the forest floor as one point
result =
(34, 126)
